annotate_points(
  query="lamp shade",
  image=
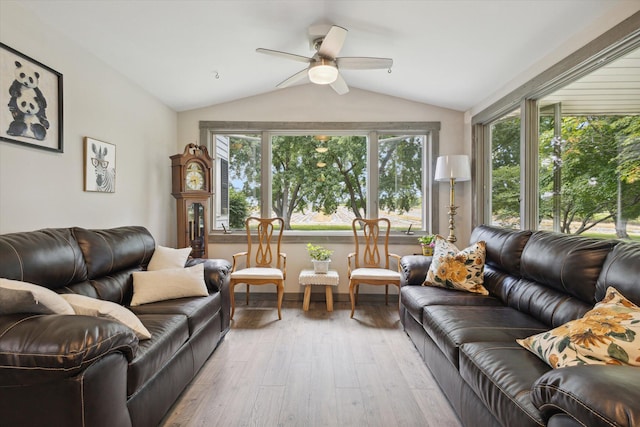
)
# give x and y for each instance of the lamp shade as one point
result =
(323, 72)
(455, 166)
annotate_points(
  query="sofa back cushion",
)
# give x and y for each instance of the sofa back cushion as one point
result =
(621, 270)
(567, 263)
(48, 257)
(504, 247)
(111, 256)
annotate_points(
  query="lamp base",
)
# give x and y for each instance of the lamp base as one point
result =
(452, 212)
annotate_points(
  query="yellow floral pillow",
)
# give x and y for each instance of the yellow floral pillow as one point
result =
(605, 335)
(457, 269)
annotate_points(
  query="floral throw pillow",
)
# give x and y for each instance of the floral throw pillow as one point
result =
(605, 335)
(457, 269)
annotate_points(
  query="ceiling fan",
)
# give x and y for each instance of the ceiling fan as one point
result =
(325, 64)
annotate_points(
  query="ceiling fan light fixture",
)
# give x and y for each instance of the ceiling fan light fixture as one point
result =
(323, 72)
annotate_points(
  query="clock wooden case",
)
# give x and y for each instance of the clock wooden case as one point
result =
(191, 186)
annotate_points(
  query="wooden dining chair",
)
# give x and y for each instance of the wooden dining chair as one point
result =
(264, 263)
(370, 262)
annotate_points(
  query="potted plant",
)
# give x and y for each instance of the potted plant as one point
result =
(427, 242)
(321, 258)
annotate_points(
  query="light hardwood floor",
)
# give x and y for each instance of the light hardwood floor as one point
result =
(313, 368)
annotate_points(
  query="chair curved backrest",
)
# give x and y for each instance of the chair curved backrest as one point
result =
(266, 251)
(370, 250)
(369, 264)
(264, 263)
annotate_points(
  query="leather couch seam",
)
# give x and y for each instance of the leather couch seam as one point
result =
(66, 356)
(564, 412)
(500, 388)
(577, 400)
(19, 260)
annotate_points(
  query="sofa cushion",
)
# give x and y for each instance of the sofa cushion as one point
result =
(199, 311)
(168, 334)
(21, 297)
(569, 264)
(49, 258)
(415, 298)
(620, 270)
(451, 326)
(597, 396)
(452, 268)
(152, 286)
(504, 246)
(114, 249)
(88, 306)
(501, 374)
(548, 305)
(164, 258)
(606, 335)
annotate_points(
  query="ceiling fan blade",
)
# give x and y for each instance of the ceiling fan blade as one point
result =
(363, 63)
(340, 86)
(286, 55)
(333, 41)
(293, 79)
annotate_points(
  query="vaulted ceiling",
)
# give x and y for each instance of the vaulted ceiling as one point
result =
(448, 53)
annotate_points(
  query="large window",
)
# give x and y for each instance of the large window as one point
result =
(322, 180)
(568, 159)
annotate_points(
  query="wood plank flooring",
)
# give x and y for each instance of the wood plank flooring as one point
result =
(313, 368)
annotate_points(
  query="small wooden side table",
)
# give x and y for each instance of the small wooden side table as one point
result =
(310, 278)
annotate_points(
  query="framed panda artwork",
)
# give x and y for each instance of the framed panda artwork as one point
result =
(30, 101)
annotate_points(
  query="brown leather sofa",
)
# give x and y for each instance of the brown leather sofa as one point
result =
(537, 281)
(71, 370)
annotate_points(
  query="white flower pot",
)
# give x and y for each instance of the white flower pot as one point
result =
(321, 267)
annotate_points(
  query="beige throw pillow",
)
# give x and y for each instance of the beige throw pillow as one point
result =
(88, 306)
(605, 335)
(164, 258)
(22, 297)
(152, 286)
(457, 269)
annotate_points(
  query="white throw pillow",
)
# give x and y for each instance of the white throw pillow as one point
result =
(22, 297)
(152, 286)
(88, 306)
(164, 258)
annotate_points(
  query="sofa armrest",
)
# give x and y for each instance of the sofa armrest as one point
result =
(594, 395)
(41, 348)
(414, 269)
(217, 277)
(216, 272)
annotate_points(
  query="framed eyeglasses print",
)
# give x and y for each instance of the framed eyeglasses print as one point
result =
(99, 166)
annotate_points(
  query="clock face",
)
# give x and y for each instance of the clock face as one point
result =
(194, 177)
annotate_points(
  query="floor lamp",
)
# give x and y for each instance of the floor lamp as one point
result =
(452, 168)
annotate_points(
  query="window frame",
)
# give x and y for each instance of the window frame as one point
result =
(431, 131)
(611, 45)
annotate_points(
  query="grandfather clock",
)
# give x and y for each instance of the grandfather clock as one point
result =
(191, 186)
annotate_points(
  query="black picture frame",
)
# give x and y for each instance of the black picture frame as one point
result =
(30, 102)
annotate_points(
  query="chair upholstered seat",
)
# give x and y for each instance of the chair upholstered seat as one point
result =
(258, 273)
(376, 274)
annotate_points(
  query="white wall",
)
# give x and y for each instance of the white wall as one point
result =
(40, 189)
(312, 103)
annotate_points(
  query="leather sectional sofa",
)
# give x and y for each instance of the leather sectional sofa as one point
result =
(72, 370)
(536, 281)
